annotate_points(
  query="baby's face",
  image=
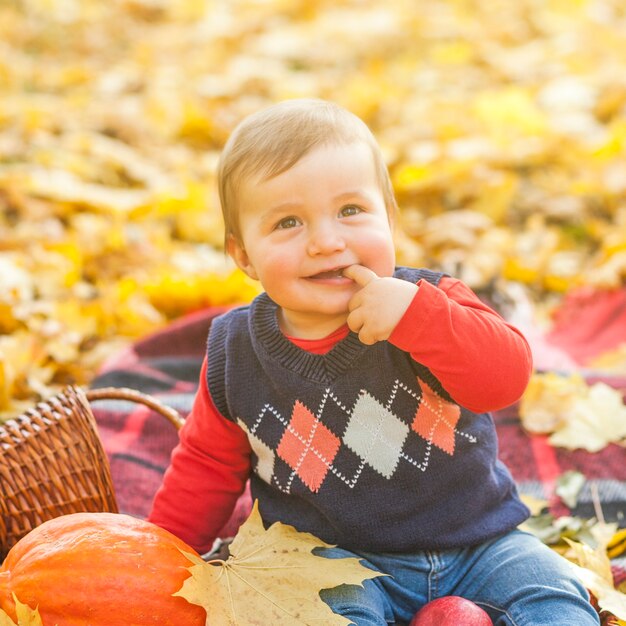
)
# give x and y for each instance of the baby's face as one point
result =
(301, 228)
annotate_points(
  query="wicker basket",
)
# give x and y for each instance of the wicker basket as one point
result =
(52, 462)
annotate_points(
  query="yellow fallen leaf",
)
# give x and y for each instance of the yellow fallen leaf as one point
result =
(178, 292)
(271, 577)
(547, 399)
(25, 616)
(16, 283)
(617, 544)
(509, 110)
(593, 569)
(62, 186)
(576, 414)
(22, 364)
(496, 196)
(596, 420)
(194, 212)
(593, 559)
(609, 599)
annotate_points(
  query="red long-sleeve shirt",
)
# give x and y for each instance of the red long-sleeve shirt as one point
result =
(490, 370)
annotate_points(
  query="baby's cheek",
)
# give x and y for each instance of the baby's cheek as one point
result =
(379, 253)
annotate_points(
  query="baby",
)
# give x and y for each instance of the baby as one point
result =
(354, 394)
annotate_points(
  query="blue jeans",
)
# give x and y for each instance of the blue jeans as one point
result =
(516, 579)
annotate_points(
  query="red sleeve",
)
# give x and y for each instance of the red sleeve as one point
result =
(208, 472)
(483, 362)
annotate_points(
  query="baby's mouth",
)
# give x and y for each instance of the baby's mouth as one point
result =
(336, 273)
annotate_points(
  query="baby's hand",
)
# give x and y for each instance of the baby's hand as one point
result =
(378, 306)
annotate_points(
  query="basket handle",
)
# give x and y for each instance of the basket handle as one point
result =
(124, 393)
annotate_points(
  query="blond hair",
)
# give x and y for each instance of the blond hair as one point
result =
(273, 140)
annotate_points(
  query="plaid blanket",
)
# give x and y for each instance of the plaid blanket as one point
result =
(166, 364)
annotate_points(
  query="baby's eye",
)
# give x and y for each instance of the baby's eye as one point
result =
(350, 209)
(287, 222)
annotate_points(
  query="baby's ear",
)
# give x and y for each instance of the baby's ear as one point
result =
(238, 254)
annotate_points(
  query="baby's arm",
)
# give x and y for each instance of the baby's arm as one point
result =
(483, 362)
(208, 472)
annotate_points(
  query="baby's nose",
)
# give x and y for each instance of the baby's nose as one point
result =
(325, 239)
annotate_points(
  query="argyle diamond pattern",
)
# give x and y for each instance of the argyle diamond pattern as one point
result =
(375, 434)
(436, 419)
(308, 447)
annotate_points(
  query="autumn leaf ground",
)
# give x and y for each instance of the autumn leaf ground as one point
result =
(503, 124)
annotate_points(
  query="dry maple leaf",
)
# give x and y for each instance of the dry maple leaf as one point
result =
(594, 571)
(271, 577)
(608, 598)
(25, 616)
(577, 414)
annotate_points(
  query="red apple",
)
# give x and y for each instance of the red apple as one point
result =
(449, 611)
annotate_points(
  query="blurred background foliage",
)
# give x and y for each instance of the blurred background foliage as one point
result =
(503, 124)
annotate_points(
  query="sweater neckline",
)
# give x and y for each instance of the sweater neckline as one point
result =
(317, 367)
(321, 345)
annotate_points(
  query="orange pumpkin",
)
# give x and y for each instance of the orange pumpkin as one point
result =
(100, 569)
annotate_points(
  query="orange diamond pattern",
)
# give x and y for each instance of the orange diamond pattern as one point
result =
(436, 419)
(308, 447)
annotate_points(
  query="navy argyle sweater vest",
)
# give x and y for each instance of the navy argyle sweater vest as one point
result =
(360, 446)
